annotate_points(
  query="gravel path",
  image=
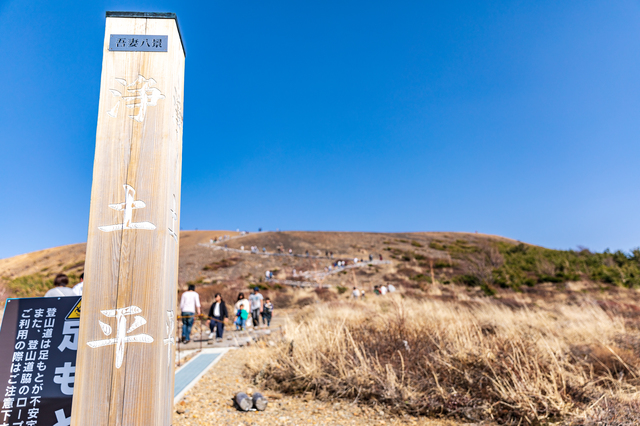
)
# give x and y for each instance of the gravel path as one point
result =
(209, 403)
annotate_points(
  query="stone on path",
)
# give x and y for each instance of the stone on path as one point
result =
(243, 402)
(259, 401)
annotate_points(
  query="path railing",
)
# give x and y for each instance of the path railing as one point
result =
(321, 274)
(200, 327)
(316, 275)
(198, 320)
(261, 253)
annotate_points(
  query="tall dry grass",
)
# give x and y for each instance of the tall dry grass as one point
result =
(476, 361)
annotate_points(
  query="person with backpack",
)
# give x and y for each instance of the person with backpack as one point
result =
(217, 316)
(267, 312)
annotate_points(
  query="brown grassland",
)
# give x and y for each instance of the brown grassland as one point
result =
(476, 361)
(482, 328)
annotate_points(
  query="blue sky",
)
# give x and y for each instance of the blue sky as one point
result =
(512, 118)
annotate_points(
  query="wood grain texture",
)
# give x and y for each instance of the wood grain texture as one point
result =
(133, 267)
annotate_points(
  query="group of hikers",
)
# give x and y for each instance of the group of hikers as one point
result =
(378, 290)
(255, 306)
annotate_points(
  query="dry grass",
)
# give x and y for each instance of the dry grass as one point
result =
(475, 361)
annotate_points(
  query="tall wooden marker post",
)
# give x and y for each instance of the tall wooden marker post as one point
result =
(126, 347)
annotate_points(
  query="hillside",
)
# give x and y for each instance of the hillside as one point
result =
(439, 264)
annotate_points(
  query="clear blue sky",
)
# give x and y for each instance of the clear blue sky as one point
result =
(514, 118)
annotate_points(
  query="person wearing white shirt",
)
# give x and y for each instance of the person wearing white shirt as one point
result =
(383, 290)
(392, 288)
(355, 293)
(77, 289)
(60, 290)
(189, 306)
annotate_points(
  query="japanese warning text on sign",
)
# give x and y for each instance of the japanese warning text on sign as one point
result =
(39, 340)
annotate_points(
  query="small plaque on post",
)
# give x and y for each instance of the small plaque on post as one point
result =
(138, 43)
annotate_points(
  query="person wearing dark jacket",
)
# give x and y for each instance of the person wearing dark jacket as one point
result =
(217, 315)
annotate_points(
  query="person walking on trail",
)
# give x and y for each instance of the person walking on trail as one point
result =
(383, 290)
(60, 290)
(267, 312)
(241, 308)
(355, 293)
(257, 303)
(391, 288)
(242, 314)
(217, 316)
(189, 306)
(77, 289)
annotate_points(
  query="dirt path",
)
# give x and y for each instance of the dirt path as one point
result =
(209, 402)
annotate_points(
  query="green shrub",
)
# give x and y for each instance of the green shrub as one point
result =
(461, 246)
(518, 265)
(416, 244)
(488, 291)
(437, 245)
(259, 285)
(468, 280)
(341, 289)
(528, 265)
(196, 282)
(421, 277)
(35, 285)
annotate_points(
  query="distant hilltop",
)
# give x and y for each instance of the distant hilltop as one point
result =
(418, 263)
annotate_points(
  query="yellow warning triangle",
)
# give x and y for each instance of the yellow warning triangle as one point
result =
(75, 312)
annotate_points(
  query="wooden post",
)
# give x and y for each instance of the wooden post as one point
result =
(125, 365)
